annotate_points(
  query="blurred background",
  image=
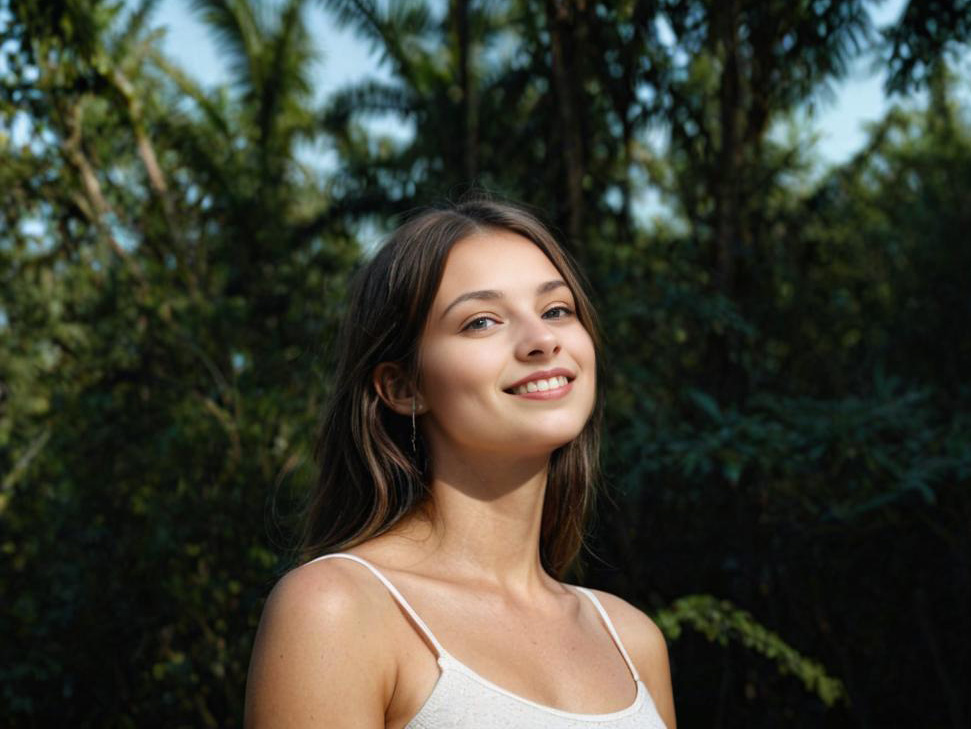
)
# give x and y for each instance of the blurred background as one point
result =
(771, 199)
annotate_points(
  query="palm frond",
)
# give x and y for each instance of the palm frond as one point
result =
(188, 86)
(394, 33)
(288, 61)
(237, 30)
(135, 24)
(366, 99)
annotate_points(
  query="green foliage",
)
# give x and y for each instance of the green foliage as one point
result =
(879, 450)
(922, 39)
(720, 621)
(167, 291)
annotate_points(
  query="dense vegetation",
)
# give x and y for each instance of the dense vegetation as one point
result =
(789, 432)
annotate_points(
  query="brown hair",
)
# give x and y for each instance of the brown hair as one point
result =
(370, 475)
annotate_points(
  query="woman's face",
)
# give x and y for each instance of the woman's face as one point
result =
(506, 366)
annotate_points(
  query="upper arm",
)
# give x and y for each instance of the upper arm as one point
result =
(648, 650)
(317, 659)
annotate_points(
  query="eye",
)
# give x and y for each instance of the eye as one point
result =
(558, 312)
(479, 324)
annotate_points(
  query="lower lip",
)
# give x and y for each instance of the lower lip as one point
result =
(548, 394)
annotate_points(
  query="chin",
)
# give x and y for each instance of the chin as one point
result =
(539, 445)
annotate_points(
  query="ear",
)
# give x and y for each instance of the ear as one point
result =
(396, 389)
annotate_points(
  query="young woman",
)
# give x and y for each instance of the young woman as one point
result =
(458, 461)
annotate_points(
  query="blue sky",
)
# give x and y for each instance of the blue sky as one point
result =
(344, 57)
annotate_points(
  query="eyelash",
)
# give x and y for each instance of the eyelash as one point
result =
(567, 311)
(468, 327)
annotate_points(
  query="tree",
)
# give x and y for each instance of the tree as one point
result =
(919, 44)
(167, 277)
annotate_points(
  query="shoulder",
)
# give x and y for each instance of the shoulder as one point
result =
(332, 593)
(320, 620)
(647, 647)
(331, 601)
(641, 636)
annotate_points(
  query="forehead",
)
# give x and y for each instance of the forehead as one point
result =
(497, 260)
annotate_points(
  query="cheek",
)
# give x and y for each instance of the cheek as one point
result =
(591, 353)
(453, 375)
(583, 350)
(586, 357)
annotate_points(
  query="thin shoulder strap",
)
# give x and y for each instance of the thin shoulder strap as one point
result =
(611, 629)
(399, 598)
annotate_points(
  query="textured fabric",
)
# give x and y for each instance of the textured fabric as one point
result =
(462, 699)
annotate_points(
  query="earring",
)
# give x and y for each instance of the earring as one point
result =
(414, 429)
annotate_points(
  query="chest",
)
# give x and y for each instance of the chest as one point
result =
(563, 658)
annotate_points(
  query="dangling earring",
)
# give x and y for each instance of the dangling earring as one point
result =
(414, 430)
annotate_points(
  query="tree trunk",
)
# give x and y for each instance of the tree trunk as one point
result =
(729, 153)
(467, 106)
(565, 79)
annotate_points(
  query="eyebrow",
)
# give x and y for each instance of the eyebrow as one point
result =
(491, 294)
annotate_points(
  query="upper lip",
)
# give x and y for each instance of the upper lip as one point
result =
(542, 375)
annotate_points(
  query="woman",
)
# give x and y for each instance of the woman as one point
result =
(458, 458)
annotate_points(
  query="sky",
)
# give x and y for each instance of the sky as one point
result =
(839, 122)
(344, 58)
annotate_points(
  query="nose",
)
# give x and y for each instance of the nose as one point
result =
(537, 340)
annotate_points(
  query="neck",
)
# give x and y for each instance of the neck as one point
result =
(486, 518)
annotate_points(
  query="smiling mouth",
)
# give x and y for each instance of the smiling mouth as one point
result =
(550, 383)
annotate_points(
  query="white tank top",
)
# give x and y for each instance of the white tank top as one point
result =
(462, 699)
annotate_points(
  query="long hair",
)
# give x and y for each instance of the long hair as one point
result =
(370, 475)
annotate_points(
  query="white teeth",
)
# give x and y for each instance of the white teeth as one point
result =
(542, 385)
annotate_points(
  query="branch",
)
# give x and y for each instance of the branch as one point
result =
(97, 206)
(20, 467)
(719, 620)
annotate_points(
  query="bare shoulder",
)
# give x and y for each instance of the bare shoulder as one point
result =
(335, 588)
(320, 649)
(641, 636)
(648, 650)
(333, 599)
